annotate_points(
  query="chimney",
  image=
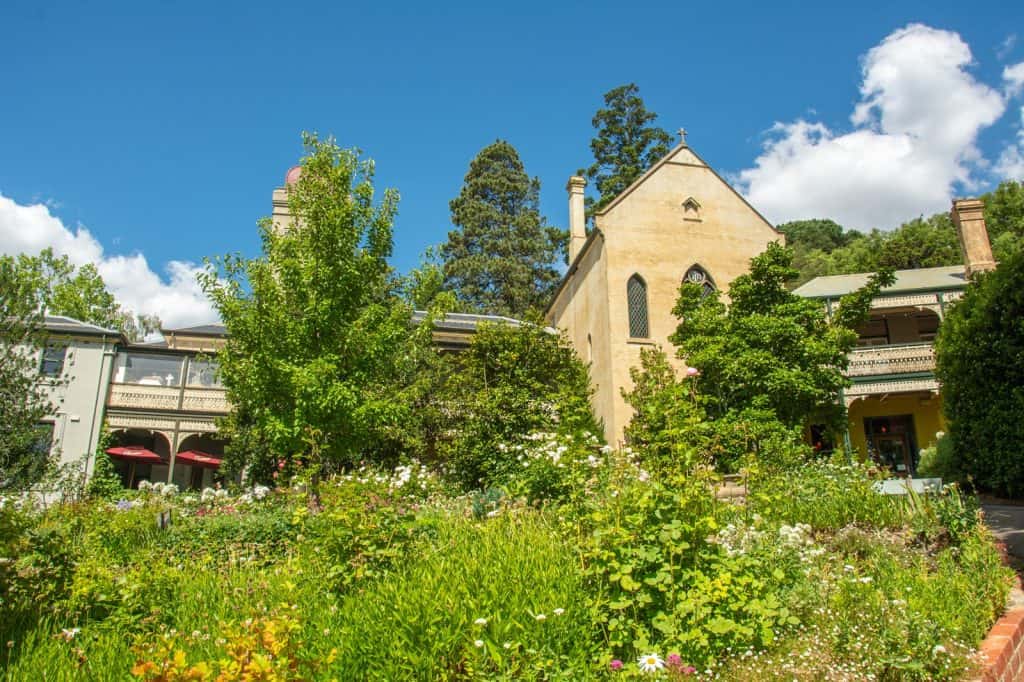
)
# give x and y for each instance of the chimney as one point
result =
(969, 217)
(577, 216)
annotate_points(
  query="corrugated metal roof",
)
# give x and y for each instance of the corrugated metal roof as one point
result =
(204, 329)
(463, 321)
(921, 279)
(63, 324)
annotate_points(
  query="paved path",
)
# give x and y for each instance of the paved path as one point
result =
(1007, 524)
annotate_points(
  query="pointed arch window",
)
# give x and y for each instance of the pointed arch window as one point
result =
(697, 275)
(636, 296)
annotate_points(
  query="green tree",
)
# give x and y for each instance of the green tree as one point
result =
(24, 458)
(501, 257)
(770, 348)
(58, 288)
(822, 234)
(1004, 218)
(318, 338)
(512, 381)
(980, 362)
(767, 364)
(626, 145)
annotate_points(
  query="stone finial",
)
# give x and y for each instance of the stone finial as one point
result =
(682, 135)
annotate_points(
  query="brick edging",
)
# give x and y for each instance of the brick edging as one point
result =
(1002, 651)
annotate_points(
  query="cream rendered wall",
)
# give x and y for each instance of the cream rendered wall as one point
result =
(78, 402)
(647, 232)
(581, 311)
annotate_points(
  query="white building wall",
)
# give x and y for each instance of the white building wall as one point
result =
(78, 397)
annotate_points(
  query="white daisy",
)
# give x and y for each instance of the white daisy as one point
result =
(480, 621)
(650, 663)
(478, 643)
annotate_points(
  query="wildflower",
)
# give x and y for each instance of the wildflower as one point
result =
(674, 661)
(689, 670)
(650, 663)
(692, 372)
(478, 643)
(866, 579)
(540, 617)
(69, 634)
(507, 645)
(939, 649)
(558, 612)
(616, 664)
(124, 505)
(480, 621)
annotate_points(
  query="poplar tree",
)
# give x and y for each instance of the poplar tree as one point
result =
(501, 257)
(626, 145)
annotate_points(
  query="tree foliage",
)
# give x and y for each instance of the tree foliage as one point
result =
(768, 362)
(627, 143)
(512, 381)
(59, 288)
(318, 339)
(23, 403)
(980, 363)
(501, 257)
(822, 247)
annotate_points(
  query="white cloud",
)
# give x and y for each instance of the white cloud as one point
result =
(176, 298)
(1014, 77)
(912, 140)
(1011, 161)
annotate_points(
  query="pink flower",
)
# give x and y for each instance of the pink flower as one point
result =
(689, 670)
(674, 661)
(692, 372)
(615, 664)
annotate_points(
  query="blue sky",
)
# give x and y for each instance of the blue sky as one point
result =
(161, 128)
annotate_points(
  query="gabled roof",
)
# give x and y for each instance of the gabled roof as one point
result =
(920, 279)
(668, 159)
(62, 324)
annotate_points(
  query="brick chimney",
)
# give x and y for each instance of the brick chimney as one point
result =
(577, 216)
(969, 217)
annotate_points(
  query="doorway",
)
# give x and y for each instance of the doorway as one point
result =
(891, 443)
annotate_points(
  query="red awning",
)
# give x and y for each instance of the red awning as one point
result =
(135, 454)
(199, 459)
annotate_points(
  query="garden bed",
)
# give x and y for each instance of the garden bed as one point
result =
(588, 568)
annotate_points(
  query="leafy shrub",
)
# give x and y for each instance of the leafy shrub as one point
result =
(36, 564)
(825, 495)
(980, 362)
(511, 381)
(939, 461)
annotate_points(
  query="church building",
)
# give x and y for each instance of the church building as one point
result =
(679, 220)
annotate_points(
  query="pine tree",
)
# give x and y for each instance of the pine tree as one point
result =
(501, 257)
(626, 145)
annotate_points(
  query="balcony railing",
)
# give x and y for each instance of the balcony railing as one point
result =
(168, 398)
(899, 359)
